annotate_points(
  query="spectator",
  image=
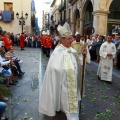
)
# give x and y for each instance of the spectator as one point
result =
(7, 42)
(22, 41)
(98, 44)
(2, 109)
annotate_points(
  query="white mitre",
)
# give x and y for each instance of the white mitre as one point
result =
(64, 30)
(76, 33)
(48, 32)
(43, 32)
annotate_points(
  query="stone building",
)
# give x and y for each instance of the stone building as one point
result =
(58, 13)
(8, 18)
(103, 15)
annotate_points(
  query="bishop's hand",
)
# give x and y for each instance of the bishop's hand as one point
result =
(84, 52)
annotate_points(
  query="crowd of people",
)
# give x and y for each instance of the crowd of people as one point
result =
(94, 43)
(10, 68)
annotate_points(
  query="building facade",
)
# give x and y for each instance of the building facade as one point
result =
(103, 15)
(12, 24)
(58, 14)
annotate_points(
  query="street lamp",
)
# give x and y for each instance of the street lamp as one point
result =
(21, 19)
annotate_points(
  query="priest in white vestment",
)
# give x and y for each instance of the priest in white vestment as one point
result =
(61, 85)
(107, 54)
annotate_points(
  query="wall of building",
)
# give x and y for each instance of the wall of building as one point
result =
(18, 6)
(100, 15)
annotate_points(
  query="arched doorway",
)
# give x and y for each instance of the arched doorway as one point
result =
(88, 17)
(77, 21)
(114, 18)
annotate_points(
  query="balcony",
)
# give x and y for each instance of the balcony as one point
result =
(62, 7)
(72, 2)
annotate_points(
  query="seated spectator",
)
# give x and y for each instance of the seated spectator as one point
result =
(2, 109)
(7, 42)
(16, 60)
(4, 68)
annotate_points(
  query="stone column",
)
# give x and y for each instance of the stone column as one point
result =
(100, 19)
(81, 26)
(73, 28)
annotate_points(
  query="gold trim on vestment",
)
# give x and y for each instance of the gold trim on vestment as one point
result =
(72, 87)
(78, 46)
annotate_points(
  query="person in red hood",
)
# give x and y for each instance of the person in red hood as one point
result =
(22, 41)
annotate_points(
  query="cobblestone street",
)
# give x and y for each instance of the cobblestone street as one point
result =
(100, 102)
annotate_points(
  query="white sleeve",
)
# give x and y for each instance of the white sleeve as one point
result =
(5, 63)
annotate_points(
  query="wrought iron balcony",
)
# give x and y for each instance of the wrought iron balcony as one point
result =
(72, 1)
(62, 6)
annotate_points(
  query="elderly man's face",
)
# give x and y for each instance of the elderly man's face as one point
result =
(67, 41)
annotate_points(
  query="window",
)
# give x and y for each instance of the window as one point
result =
(8, 6)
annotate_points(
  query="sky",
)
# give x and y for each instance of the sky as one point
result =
(41, 5)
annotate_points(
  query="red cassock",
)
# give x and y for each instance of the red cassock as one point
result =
(43, 41)
(48, 42)
(22, 41)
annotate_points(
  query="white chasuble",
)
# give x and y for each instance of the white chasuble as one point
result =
(60, 89)
(106, 62)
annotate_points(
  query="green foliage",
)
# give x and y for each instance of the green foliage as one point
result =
(3, 89)
(104, 116)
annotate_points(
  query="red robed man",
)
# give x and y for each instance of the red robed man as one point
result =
(48, 44)
(22, 41)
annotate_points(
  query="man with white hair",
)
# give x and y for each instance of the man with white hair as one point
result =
(61, 85)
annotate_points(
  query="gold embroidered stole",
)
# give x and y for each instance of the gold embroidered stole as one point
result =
(78, 46)
(71, 82)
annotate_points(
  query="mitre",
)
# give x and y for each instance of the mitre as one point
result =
(48, 32)
(43, 32)
(64, 30)
(76, 33)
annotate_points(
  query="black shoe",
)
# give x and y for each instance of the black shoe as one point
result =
(22, 48)
(19, 75)
(12, 84)
(22, 73)
(99, 78)
(16, 81)
(109, 82)
(5, 118)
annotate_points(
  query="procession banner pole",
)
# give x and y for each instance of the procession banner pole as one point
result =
(89, 31)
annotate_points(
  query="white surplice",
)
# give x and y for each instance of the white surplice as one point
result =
(106, 62)
(61, 87)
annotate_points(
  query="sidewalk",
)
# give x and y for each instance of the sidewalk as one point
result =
(25, 99)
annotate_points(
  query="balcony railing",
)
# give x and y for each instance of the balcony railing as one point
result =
(62, 7)
(72, 1)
